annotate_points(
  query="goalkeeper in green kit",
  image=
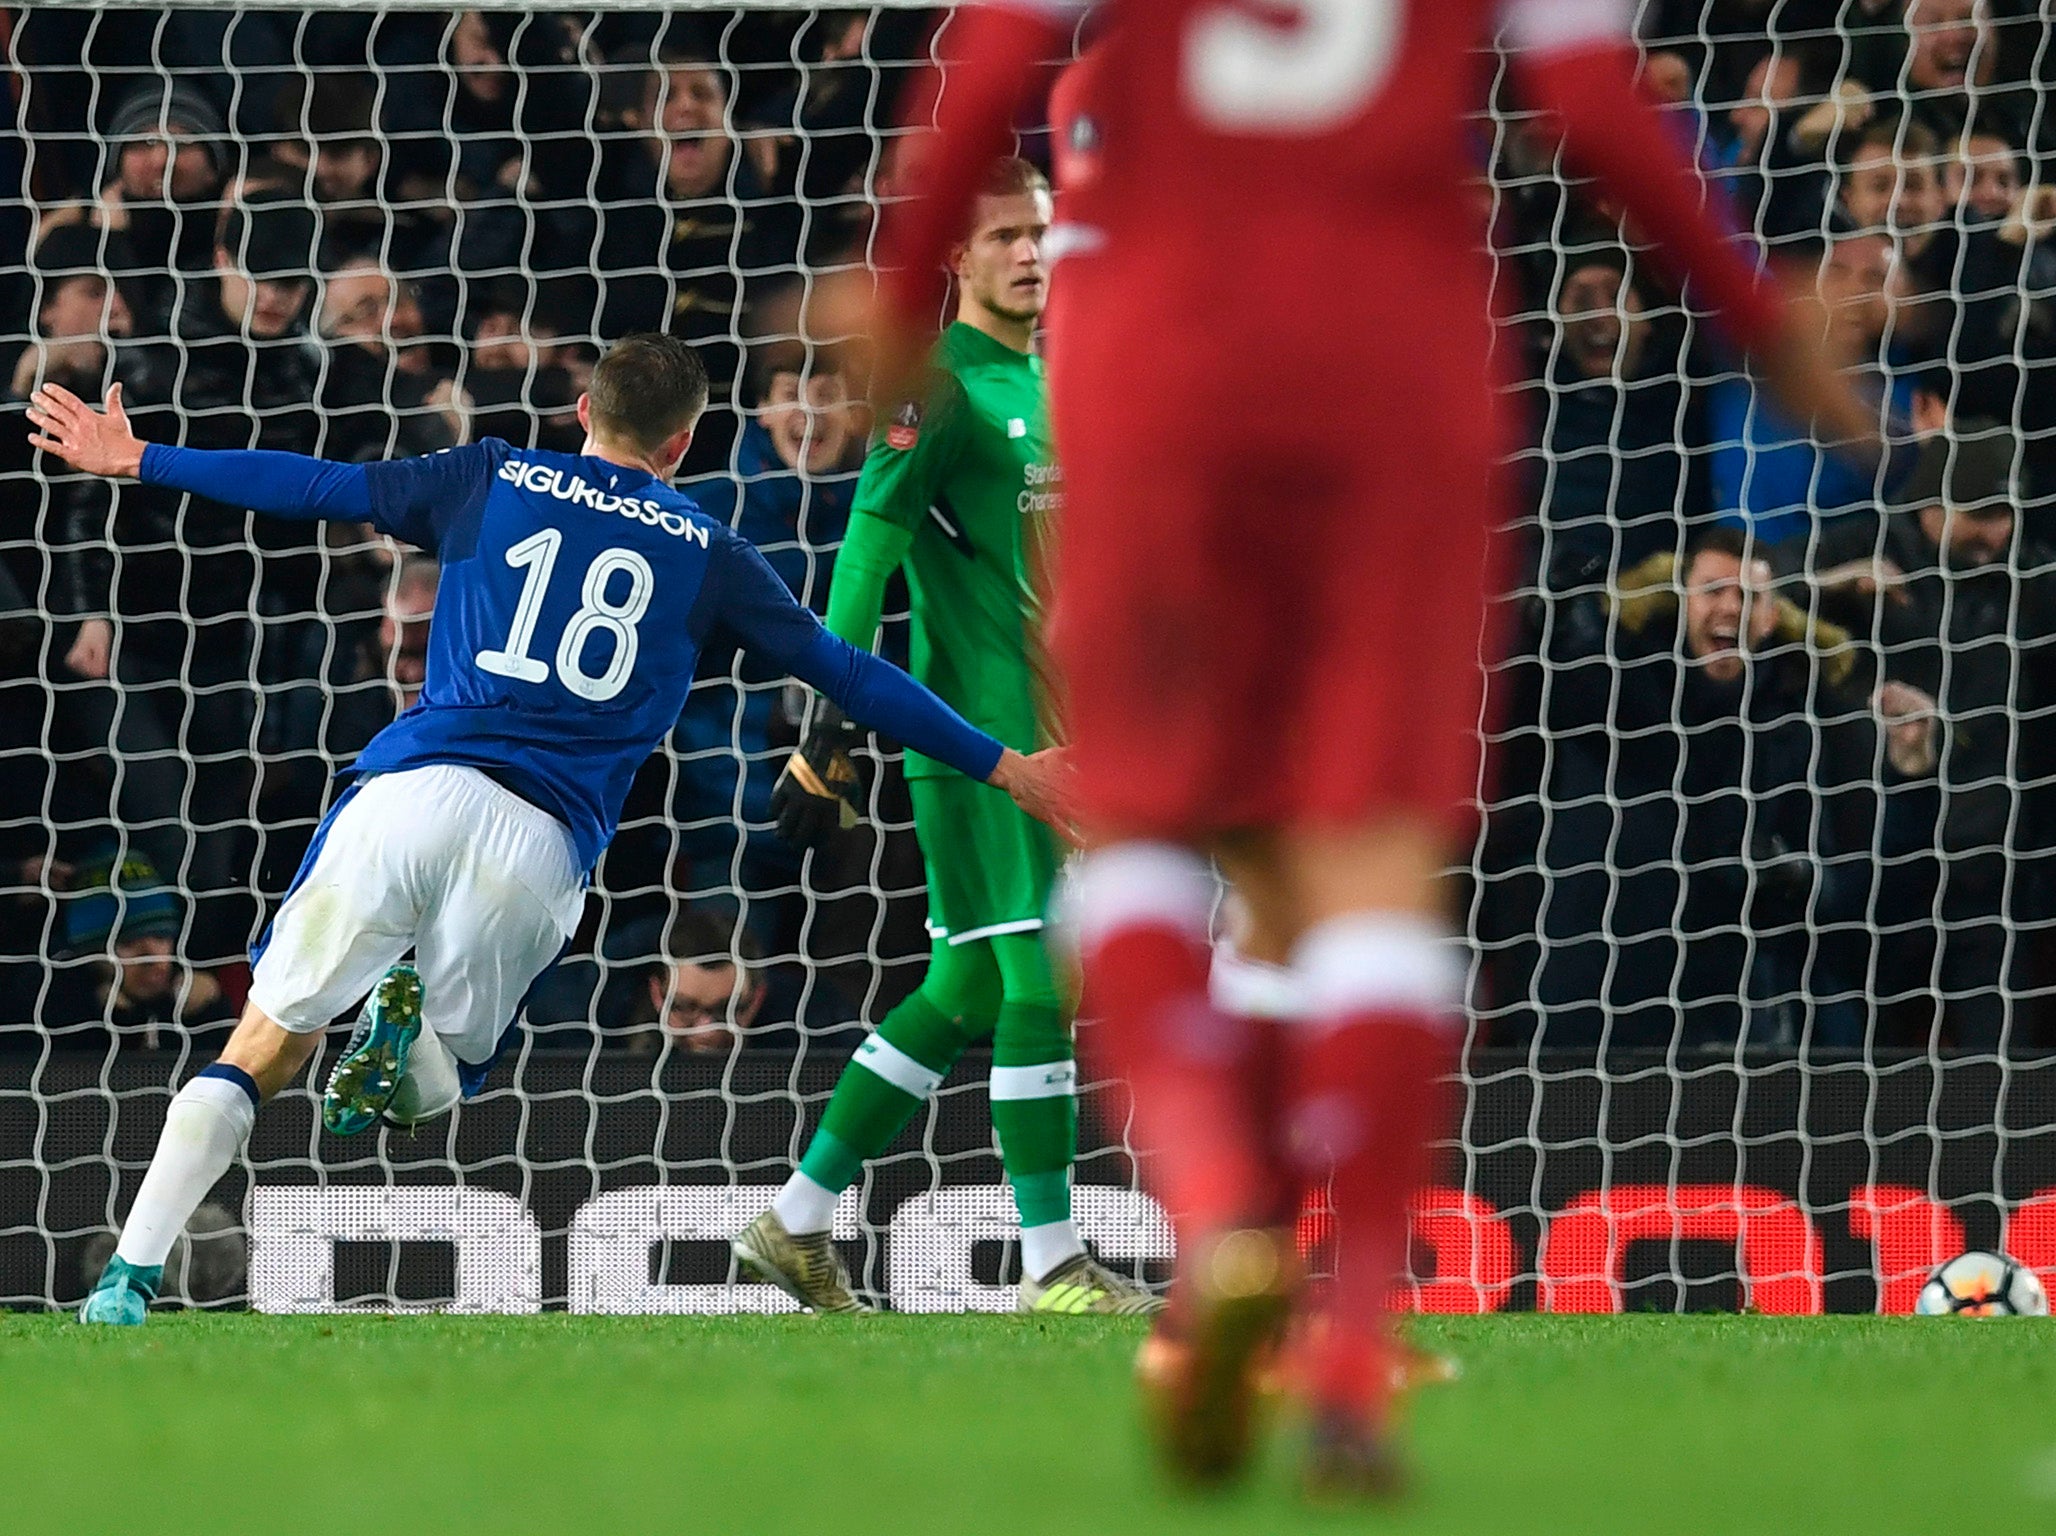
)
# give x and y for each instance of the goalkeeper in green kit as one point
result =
(959, 488)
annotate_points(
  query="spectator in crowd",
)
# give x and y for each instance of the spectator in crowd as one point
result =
(1893, 182)
(240, 371)
(1620, 474)
(523, 377)
(827, 161)
(790, 497)
(1963, 609)
(79, 319)
(1768, 474)
(692, 240)
(1977, 296)
(704, 989)
(78, 314)
(381, 395)
(1944, 62)
(79, 310)
(181, 577)
(491, 140)
(1774, 83)
(1985, 180)
(167, 162)
(331, 127)
(358, 677)
(30, 868)
(1686, 869)
(122, 929)
(1766, 151)
(403, 627)
(692, 978)
(794, 471)
(1976, 299)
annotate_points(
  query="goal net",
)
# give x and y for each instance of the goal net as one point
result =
(1758, 913)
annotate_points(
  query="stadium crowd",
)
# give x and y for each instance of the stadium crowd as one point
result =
(1770, 743)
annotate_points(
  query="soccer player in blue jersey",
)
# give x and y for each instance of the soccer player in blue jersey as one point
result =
(577, 590)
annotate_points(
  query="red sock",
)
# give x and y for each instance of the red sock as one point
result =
(1367, 1103)
(1145, 989)
(1267, 1090)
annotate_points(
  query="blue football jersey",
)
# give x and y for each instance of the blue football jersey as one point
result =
(576, 595)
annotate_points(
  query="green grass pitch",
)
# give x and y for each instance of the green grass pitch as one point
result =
(911, 1425)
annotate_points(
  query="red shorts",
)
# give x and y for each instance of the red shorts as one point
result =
(1271, 621)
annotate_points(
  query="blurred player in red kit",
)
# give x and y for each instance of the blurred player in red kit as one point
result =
(1274, 398)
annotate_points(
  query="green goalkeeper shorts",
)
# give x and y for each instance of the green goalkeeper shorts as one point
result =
(990, 864)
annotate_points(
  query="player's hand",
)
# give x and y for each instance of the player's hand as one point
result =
(1040, 784)
(811, 800)
(98, 442)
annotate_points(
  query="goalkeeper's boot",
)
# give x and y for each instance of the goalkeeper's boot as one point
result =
(804, 1265)
(124, 1293)
(1082, 1285)
(1235, 1297)
(1348, 1462)
(368, 1075)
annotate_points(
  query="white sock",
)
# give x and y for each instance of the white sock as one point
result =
(430, 1086)
(204, 1129)
(1155, 884)
(1253, 989)
(1043, 1248)
(805, 1206)
(1363, 961)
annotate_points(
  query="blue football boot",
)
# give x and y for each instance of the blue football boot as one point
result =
(124, 1293)
(368, 1075)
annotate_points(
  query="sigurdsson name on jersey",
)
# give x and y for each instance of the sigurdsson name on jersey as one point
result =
(547, 480)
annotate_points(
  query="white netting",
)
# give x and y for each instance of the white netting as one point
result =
(1759, 963)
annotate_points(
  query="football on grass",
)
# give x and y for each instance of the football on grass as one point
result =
(1983, 1285)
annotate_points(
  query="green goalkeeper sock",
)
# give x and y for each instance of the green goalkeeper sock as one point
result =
(891, 1076)
(1035, 1116)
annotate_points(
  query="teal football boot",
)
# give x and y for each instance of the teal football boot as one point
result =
(124, 1293)
(368, 1075)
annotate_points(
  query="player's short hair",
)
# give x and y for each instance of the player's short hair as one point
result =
(1009, 176)
(647, 388)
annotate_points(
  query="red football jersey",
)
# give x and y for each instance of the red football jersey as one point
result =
(1293, 141)
(1210, 109)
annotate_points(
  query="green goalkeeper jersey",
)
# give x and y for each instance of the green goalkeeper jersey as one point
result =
(963, 489)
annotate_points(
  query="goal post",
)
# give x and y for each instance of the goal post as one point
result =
(1759, 947)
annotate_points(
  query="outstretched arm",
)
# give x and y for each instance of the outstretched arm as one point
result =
(277, 484)
(874, 691)
(416, 500)
(771, 622)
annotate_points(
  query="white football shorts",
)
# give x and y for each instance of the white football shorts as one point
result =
(483, 887)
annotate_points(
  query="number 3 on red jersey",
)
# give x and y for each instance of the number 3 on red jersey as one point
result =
(1246, 73)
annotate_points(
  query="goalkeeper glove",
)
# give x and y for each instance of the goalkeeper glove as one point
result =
(811, 800)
